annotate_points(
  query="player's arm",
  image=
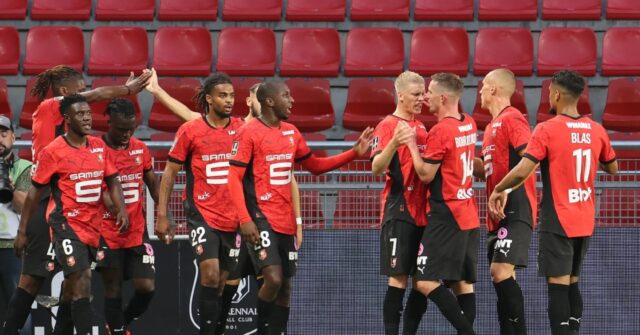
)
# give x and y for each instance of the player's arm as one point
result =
(175, 106)
(31, 202)
(248, 228)
(319, 165)
(426, 170)
(514, 179)
(151, 181)
(382, 159)
(133, 86)
(478, 168)
(295, 195)
(163, 226)
(610, 167)
(115, 192)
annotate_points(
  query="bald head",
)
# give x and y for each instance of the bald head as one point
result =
(503, 80)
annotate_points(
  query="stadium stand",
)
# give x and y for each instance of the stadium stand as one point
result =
(99, 109)
(125, 10)
(511, 48)
(249, 10)
(247, 52)
(188, 10)
(571, 9)
(310, 52)
(182, 89)
(117, 50)
(623, 104)
(5, 108)
(584, 106)
(374, 52)
(77, 10)
(507, 10)
(483, 117)
(9, 51)
(620, 50)
(623, 10)
(369, 100)
(49, 46)
(13, 9)
(182, 51)
(567, 48)
(438, 10)
(374, 10)
(313, 10)
(452, 45)
(312, 109)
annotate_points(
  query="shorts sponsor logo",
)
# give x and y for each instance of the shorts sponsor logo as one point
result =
(199, 249)
(149, 249)
(234, 253)
(422, 260)
(394, 262)
(293, 255)
(262, 255)
(99, 255)
(238, 240)
(71, 261)
(146, 259)
(50, 266)
(502, 233)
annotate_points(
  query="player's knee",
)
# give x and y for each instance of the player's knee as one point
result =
(233, 282)
(272, 282)
(500, 272)
(78, 285)
(145, 286)
(30, 284)
(425, 286)
(209, 274)
(398, 281)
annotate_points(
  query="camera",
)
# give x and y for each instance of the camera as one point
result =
(6, 189)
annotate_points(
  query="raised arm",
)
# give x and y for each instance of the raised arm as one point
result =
(319, 165)
(133, 86)
(176, 107)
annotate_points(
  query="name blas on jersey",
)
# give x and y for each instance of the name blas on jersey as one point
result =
(579, 194)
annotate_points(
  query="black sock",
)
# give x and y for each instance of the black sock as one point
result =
(467, 304)
(575, 303)
(225, 305)
(279, 320)
(264, 315)
(209, 310)
(64, 321)
(503, 318)
(449, 307)
(392, 310)
(114, 315)
(81, 314)
(512, 300)
(17, 312)
(416, 306)
(559, 308)
(137, 305)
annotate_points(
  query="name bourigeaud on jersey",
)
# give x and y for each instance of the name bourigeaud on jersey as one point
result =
(86, 175)
(466, 140)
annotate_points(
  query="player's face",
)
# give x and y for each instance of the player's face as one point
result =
(554, 96)
(79, 118)
(121, 129)
(434, 98)
(72, 87)
(283, 101)
(253, 104)
(412, 98)
(7, 138)
(221, 99)
(485, 94)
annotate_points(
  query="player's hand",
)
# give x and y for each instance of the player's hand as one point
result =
(403, 134)
(362, 144)
(137, 84)
(152, 86)
(165, 230)
(20, 243)
(298, 236)
(496, 203)
(250, 233)
(122, 221)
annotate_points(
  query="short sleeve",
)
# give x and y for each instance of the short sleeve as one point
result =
(109, 165)
(302, 150)
(180, 149)
(381, 137)
(437, 145)
(538, 145)
(147, 163)
(242, 148)
(519, 132)
(44, 169)
(607, 154)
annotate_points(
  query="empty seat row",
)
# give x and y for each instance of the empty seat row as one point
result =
(188, 51)
(313, 10)
(369, 100)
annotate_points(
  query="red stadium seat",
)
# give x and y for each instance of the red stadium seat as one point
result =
(50, 46)
(234, 58)
(25, 153)
(507, 10)
(30, 104)
(623, 10)
(584, 107)
(567, 48)
(571, 9)
(438, 10)
(374, 52)
(160, 155)
(483, 117)
(118, 50)
(368, 102)
(127, 10)
(5, 108)
(182, 89)
(623, 103)
(250, 10)
(510, 48)
(313, 10)
(13, 9)
(620, 50)
(453, 51)
(99, 109)
(78, 10)
(182, 51)
(375, 10)
(312, 109)
(188, 10)
(241, 86)
(310, 52)
(9, 51)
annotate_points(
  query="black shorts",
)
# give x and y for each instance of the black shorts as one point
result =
(74, 256)
(561, 255)
(245, 267)
(210, 243)
(399, 242)
(274, 249)
(447, 253)
(510, 243)
(135, 262)
(39, 258)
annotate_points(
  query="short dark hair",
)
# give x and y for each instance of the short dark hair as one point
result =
(268, 89)
(569, 80)
(450, 82)
(69, 100)
(212, 81)
(121, 107)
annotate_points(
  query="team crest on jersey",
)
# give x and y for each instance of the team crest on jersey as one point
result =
(138, 160)
(262, 255)
(99, 255)
(234, 148)
(51, 266)
(291, 140)
(71, 261)
(100, 158)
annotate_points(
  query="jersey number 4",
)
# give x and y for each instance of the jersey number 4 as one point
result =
(467, 166)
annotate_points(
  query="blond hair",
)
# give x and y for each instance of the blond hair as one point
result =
(405, 78)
